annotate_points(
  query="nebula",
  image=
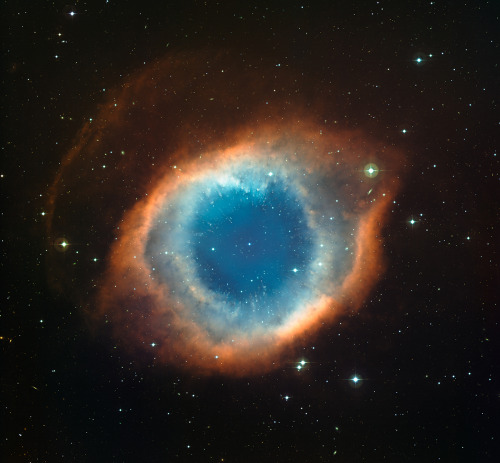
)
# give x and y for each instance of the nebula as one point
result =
(217, 215)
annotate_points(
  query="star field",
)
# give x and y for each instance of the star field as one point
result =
(406, 369)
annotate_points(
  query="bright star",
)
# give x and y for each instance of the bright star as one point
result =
(371, 170)
(301, 364)
(62, 245)
(419, 59)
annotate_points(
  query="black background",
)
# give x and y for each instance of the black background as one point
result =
(425, 343)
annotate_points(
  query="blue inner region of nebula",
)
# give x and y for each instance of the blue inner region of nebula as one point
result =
(251, 243)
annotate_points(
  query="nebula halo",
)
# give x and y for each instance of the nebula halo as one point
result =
(154, 186)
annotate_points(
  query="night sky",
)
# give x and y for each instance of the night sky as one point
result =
(236, 232)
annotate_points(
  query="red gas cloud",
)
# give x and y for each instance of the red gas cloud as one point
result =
(163, 128)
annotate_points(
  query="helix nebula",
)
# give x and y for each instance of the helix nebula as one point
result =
(225, 212)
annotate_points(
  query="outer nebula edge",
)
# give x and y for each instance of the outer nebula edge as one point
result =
(162, 131)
